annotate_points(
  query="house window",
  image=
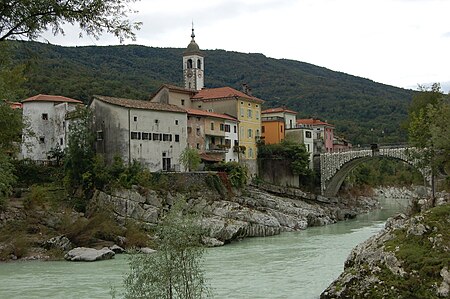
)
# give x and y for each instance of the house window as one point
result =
(44, 116)
(249, 113)
(308, 134)
(222, 127)
(242, 132)
(318, 135)
(177, 138)
(145, 136)
(156, 121)
(250, 153)
(308, 148)
(212, 126)
(236, 143)
(256, 105)
(262, 129)
(257, 133)
(249, 104)
(135, 118)
(235, 129)
(42, 139)
(198, 145)
(228, 143)
(242, 112)
(61, 141)
(176, 122)
(227, 128)
(257, 114)
(167, 137)
(156, 136)
(242, 103)
(281, 128)
(182, 102)
(250, 133)
(136, 135)
(99, 135)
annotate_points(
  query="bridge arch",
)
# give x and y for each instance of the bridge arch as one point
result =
(334, 167)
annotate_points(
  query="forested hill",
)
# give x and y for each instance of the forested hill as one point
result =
(353, 104)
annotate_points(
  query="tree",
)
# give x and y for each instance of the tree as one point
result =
(190, 159)
(429, 116)
(30, 18)
(80, 153)
(174, 271)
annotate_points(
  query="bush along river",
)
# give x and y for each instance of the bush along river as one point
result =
(290, 265)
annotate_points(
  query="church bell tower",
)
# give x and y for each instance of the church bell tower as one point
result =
(193, 65)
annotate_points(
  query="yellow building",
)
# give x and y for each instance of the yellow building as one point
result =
(244, 107)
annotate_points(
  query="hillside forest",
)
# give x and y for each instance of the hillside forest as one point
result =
(362, 111)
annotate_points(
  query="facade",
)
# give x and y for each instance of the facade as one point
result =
(323, 134)
(212, 134)
(305, 136)
(153, 134)
(289, 116)
(273, 129)
(46, 115)
(245, 108)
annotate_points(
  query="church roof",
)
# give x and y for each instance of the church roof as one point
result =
(223, 93)
(193, 48)
(138, 104)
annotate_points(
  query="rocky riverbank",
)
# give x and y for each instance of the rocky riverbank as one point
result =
(44, 228)
(409, 258)
(251, 213)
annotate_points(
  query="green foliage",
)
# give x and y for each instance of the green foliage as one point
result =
(287, 150)
(11, 75)
(174, 271)
(80, 153)
(29, 172)
(190, 158)
(237, 173)
(383, 172)
(31, 18)
(429, 131)
(7, 178)
(421, 257)
(213, 182)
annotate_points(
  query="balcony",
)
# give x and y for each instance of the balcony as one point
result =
(217, 148)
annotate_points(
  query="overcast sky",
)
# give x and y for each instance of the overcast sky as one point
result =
(396, 42)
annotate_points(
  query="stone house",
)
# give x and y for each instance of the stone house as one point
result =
(46, 115)
(154, 134)
(213, 134)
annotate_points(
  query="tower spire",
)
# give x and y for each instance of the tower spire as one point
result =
(193, 34)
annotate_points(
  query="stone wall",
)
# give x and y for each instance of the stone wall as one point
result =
(277, 172)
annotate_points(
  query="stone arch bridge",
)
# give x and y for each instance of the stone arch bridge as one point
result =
(334, 167)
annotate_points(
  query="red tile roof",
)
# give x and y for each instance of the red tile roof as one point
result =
(313, 122)
(173, 88)
(210, 114)
(276, 110)
(223, 93)
(137, 104)
(50, 98)
(210, 158)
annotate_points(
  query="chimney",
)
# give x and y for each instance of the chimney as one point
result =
(246, 89)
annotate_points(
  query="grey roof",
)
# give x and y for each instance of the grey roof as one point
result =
(193, 48)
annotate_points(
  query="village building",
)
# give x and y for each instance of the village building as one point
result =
(303, 135)
(323, 134)
(275, 121)
(341, 144)
(239, 105)
(153, 134)
(46, 116)
(213, 134)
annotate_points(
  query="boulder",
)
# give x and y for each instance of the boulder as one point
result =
(117, 249)
(59, 242)
(146, 250)
(89, 254)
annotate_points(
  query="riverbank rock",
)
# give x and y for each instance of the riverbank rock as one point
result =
(84, 254)
(408, 259)
(59, 242)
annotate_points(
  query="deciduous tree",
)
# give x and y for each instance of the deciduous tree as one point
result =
(30, 18)
(174, 271)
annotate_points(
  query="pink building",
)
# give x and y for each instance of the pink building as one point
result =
(323, 133)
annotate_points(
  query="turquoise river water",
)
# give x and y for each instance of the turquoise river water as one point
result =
(291, 265)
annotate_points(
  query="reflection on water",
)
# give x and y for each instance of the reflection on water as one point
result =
(291, 265)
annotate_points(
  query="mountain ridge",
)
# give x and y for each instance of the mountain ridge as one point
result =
(362, 110)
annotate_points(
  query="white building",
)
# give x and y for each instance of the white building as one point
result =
(305, 136)
(231, 138)
(153, 134)
(46, 116)
(290, 116)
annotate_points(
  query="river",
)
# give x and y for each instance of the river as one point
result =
(291, 265)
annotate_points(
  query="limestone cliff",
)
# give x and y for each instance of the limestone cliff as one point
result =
(409, 258)
(251, 213)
